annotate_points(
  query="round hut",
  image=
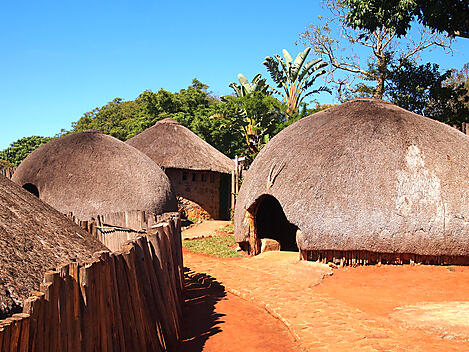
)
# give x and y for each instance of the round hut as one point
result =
(90, 173)
(363, 182)
(199, 173)
(34, 238)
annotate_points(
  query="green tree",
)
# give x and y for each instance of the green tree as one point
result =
(411, 85)
(253, 117)
(450, 16)
(21, 148)
(191, 106)
(295, 77)
(258, 84)
(6, 164)
(424, 90)
(361, 61)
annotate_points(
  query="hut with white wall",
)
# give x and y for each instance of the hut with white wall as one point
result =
(363, 182)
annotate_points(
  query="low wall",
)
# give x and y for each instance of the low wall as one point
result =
(129, 300)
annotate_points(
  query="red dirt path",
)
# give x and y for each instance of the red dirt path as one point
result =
(218, 321)
(387, 308)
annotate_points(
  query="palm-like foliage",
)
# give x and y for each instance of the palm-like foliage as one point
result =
(257, 84)
(295, 77)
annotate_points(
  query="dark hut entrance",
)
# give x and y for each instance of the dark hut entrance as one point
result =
(269, 221)
(31, 189)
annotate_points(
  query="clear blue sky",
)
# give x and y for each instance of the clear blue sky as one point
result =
(60, 59)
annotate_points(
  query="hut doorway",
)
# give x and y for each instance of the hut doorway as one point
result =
(31, 189)
(269, 221)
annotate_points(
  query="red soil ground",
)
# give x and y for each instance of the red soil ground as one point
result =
(216, 320)
(378, 290)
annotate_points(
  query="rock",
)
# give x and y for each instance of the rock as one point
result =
(268, 244)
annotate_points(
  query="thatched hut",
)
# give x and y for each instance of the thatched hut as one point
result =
(33, 239)
(199, 173)
(363, 182)
(90, 173)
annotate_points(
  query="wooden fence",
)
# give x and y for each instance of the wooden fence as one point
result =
(129, 300)
(134, 219)
(7, 172)
(113, 230)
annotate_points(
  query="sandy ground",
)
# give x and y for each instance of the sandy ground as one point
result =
(204, 229)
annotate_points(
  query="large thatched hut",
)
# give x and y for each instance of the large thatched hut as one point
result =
(363, 182)
(90, 173)
(199, 173)
(33, 239)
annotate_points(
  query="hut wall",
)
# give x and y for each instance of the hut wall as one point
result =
(7, 172)
(123, 301)
(201, 187)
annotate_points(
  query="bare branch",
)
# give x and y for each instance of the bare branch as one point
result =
(340, 46)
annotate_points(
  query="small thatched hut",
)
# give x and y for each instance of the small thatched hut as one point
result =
(33, 239)
(198, 172)
(363, 182)
(90, 173)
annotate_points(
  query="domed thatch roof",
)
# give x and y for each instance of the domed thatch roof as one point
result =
(90, 173)
(33, 239)
(171, 145)
(366, 176)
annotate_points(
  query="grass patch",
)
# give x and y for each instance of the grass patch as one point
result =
(216, 246)
(228, 229)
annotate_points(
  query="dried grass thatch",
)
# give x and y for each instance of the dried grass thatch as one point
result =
(33, 239)
(366, 176)
(90, 173)
(171, 145)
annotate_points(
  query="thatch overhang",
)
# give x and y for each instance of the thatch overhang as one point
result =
(366, 176)
(171, 145)
(34, 238)
(90, 173)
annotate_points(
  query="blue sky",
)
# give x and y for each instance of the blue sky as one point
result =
(60, 59)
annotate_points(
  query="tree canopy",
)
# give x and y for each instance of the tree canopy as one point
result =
(424, 90)
(21, 148)
(295, 77)
(361, 61)
(450, 16)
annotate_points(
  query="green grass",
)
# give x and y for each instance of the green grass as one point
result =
(229, 228)
(215, 246)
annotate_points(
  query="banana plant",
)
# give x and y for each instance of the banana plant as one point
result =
(257, 84)
(295, 77)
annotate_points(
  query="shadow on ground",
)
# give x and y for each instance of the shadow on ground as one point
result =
(200, 321)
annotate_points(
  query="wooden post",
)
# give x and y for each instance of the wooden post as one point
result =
(65, 298)
(146, 293)
(118, 332)
(24, 334)
(128, 315)
(103, 308)
(75, 307)
(161, 305)
(88, 308)
(5, 325)
(50, 288)
(128, 253)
